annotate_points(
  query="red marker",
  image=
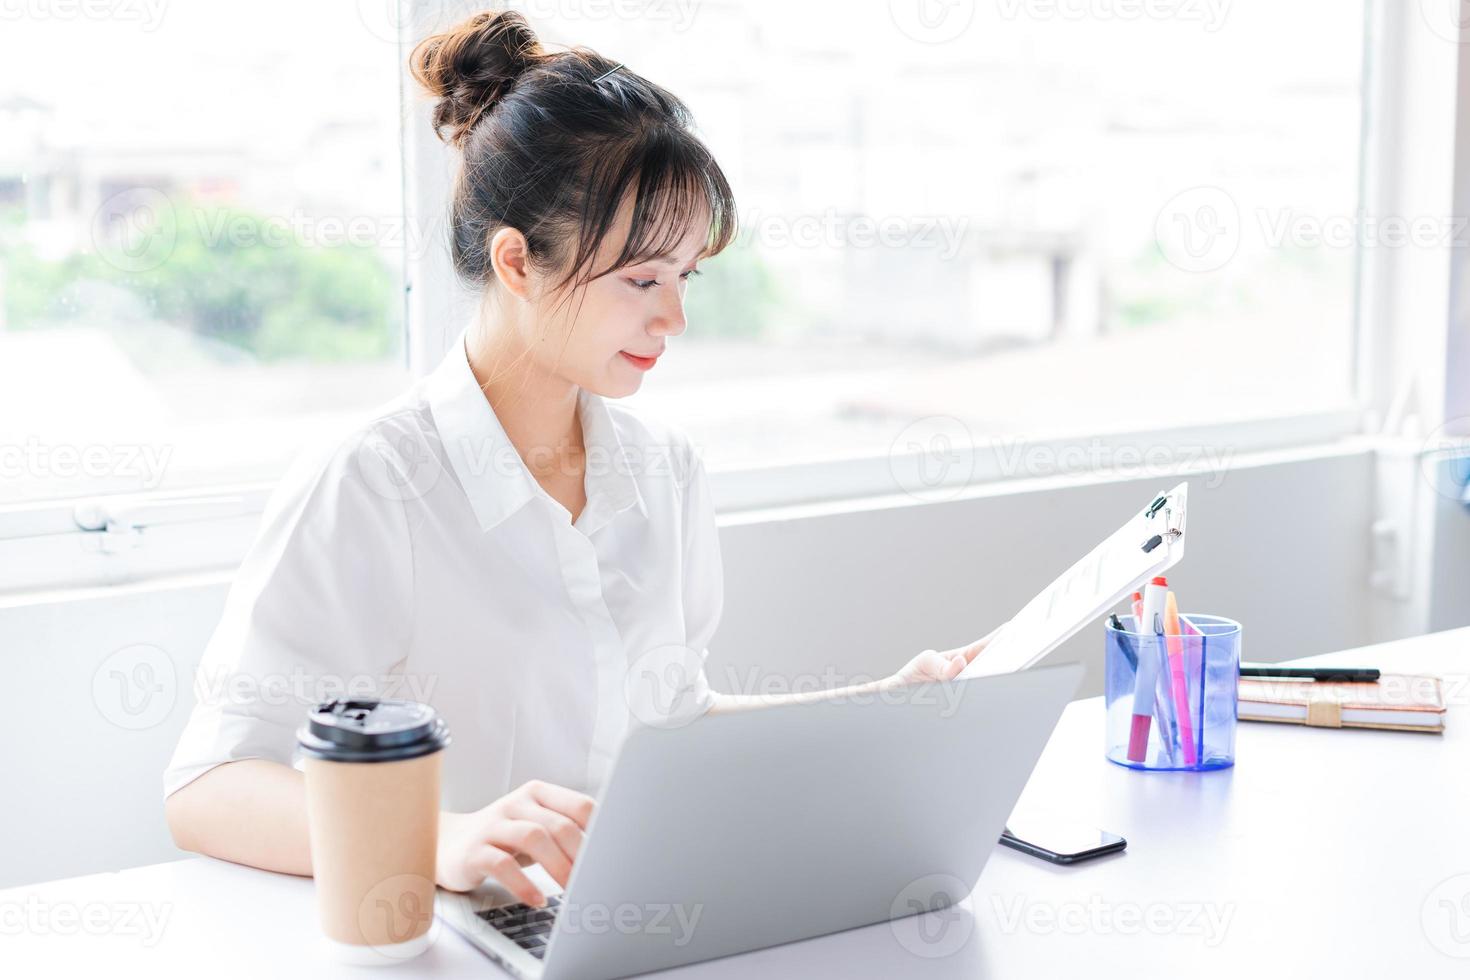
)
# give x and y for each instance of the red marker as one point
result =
(1150, 652)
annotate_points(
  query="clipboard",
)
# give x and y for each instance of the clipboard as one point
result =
(1151, 542)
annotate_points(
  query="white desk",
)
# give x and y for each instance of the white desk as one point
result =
(1322, 854)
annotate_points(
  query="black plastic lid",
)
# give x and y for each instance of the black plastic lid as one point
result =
(370, 730)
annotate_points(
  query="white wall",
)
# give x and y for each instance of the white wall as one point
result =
(86, 792)
(865, 590)
(1282, 546)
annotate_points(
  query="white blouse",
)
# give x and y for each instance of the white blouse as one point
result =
(420, 558)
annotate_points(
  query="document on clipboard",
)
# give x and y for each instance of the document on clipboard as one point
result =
(1152, 541)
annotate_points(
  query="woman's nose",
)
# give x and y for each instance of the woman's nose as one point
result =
(670, 319)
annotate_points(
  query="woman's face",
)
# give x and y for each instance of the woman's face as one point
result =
(611, 332)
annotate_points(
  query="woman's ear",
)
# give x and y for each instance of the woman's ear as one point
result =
(510, 258)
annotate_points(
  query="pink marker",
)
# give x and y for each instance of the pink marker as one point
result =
(1176, 677)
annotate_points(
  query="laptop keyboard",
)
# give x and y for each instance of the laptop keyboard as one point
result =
(524, 925)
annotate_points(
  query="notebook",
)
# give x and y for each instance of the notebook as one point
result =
(1402, 702)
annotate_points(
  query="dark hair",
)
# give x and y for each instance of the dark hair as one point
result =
(553, 143)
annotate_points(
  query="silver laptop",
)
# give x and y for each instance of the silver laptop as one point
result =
(861, 800)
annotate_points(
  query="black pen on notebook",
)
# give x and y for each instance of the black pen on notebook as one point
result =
(1310, 673)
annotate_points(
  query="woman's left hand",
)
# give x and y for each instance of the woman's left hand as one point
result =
(937, 665)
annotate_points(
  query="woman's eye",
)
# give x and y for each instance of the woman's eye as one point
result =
(650, 283)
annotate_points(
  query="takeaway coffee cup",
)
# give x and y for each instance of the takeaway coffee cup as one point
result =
(372, 801)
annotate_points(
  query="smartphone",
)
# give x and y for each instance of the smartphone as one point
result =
(1060, 841)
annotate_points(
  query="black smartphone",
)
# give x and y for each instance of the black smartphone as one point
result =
(1060, 841)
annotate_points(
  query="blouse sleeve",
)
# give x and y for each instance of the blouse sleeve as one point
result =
(321, 607)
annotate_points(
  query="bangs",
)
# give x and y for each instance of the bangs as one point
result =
(675, 182)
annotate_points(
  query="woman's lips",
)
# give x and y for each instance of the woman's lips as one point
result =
(641, 363)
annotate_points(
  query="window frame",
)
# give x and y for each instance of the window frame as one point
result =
(207, 529)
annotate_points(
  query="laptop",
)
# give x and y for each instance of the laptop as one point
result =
(867, 801)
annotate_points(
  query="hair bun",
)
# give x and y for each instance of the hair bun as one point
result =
(472, 66)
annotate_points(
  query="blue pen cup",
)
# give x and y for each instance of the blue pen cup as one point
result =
(1191, 709)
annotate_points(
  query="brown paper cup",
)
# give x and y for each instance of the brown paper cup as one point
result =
(374, 828)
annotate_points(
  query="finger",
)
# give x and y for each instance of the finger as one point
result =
(955, 665)
(492, 862)
(562, 828)
(529, 837)
(931, 665)
(568, 802)
(980, 644)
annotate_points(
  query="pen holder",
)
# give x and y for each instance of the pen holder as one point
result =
(1183, 716)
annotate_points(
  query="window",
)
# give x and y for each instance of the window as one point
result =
(201, 240)
(1027, 219)
(1001, 224)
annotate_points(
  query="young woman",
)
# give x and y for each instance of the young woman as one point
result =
(499, 541)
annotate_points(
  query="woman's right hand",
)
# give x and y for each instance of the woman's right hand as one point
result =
(536, 822)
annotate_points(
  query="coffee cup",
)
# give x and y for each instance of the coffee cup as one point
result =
(372, 798)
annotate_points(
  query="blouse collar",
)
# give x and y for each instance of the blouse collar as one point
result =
(491, 471)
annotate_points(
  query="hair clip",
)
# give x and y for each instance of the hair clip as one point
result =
(607, 73)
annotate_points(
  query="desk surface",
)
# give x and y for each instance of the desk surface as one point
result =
(1322, 853)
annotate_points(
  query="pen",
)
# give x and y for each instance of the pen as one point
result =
(1123, 642)
(1313, 673)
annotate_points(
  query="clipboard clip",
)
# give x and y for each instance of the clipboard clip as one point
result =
(1169, 533)
(1173, 534)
